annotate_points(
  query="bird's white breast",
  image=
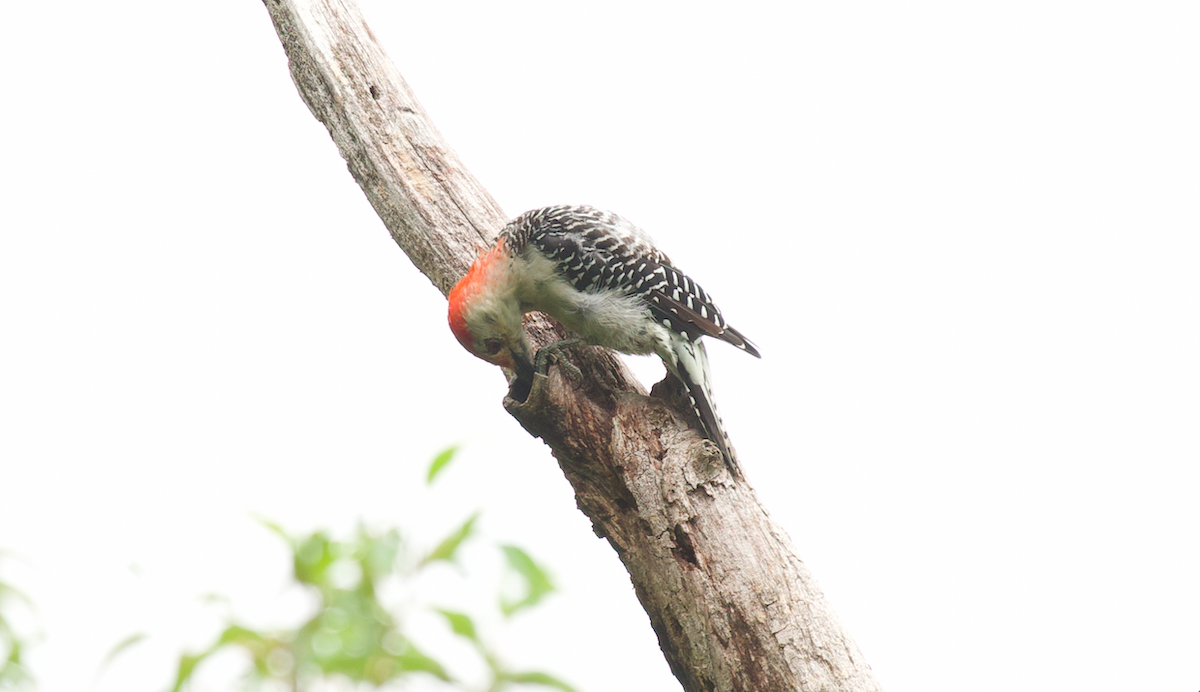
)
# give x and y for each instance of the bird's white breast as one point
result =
(608, 318)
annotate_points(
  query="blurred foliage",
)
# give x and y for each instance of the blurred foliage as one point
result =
(13, 674)
(352, 634)
(439, 462)
(534, 580)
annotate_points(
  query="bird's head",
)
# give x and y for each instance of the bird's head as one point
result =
(485, 314)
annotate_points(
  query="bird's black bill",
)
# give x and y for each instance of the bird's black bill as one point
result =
(522, 385)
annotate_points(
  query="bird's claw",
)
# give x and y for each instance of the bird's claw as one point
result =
(554, 352)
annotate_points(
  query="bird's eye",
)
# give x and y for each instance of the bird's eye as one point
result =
(492, 346)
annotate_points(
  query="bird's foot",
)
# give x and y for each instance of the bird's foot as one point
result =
(554, 352)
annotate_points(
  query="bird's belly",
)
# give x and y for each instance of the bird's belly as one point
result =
(610, 318)
(616, 321)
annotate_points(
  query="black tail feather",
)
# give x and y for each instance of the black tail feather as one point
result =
(736, 338)
(710, 422)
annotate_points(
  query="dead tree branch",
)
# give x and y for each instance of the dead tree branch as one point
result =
(733, 607)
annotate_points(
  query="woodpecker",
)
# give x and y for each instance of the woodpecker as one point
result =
(603, 279)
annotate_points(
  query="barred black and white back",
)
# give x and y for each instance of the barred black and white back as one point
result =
(622, 292)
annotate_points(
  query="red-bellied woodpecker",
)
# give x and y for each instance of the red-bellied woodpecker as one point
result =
(603, 279)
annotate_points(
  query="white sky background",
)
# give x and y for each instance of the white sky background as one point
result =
(965, 237)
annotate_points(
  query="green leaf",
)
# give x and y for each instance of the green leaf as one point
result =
(377, 554)
(461, 624)
(439, 462)
(187, 666)
(7, 591)
(312, 557)
(14, 653)
(236, 634)
(449, 545)
(537, 581)
(536, 678)
(13, 674)
(413, 660)
(116, 650)
(276, 528)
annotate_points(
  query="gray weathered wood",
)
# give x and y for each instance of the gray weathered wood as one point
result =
(732, 605)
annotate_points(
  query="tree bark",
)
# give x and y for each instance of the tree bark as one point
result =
(732, 605)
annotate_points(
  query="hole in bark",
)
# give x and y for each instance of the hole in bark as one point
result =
(374, 92)
(519, 391)
(684, 550)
